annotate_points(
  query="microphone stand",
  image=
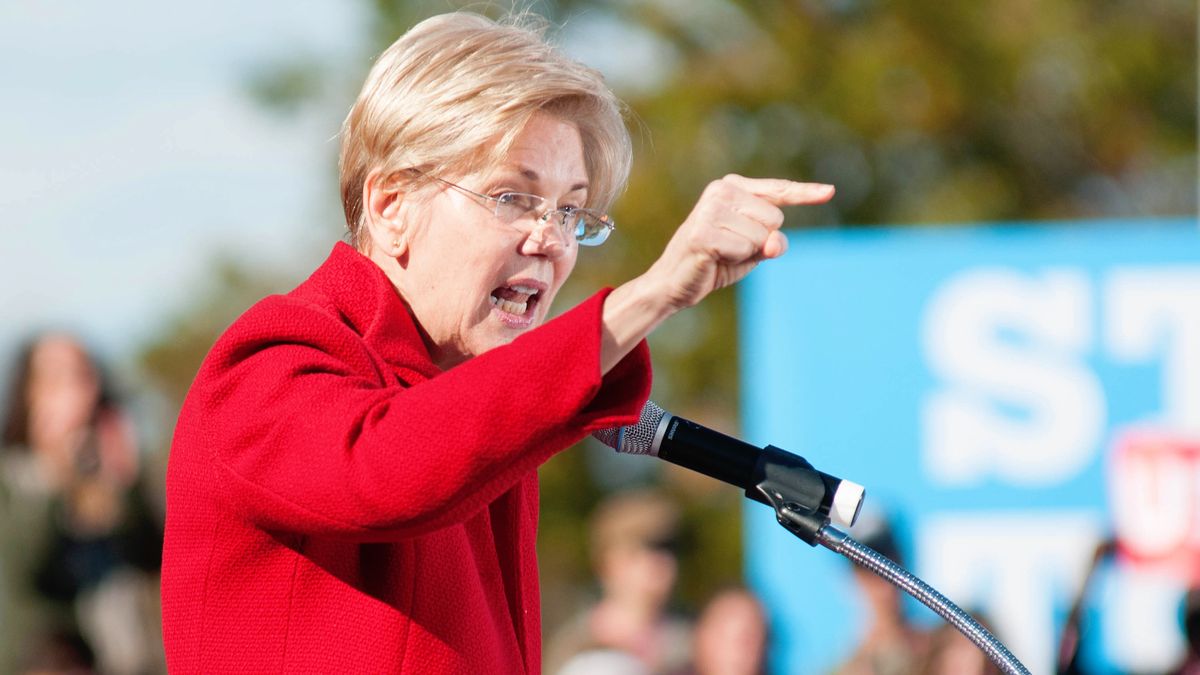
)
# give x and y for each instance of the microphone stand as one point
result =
(812, 526)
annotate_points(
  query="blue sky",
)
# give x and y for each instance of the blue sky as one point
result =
(131, 155)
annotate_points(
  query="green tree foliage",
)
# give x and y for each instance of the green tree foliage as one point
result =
(921, 112)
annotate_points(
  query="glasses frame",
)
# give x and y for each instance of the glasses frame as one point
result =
(563, 212)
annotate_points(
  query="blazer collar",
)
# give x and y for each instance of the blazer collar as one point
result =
(366, 300)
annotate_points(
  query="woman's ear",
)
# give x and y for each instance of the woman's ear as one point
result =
(383, 225)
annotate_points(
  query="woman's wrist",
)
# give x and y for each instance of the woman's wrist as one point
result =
(631, 312)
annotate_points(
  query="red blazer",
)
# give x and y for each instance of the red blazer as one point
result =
(337, 504)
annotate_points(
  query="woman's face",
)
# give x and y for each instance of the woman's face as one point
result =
(474, 283)
(62, 392)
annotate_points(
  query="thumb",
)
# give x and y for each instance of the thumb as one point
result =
(776, 245)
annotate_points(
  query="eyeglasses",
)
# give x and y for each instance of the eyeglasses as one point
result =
(586, 226)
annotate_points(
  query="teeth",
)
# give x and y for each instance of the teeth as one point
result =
(509, 306)
(513, 307)
(517, 301)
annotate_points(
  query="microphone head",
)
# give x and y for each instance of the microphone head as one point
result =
(638, 439)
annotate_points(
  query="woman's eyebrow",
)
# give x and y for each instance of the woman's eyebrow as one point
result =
(533, 177)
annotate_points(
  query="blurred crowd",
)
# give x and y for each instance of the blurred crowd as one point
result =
(631, 627)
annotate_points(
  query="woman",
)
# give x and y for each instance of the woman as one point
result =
(352, 485)
(79, 548)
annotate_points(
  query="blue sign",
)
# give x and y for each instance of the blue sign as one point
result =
(1000, 391)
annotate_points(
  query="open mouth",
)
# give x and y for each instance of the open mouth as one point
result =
(518, 299)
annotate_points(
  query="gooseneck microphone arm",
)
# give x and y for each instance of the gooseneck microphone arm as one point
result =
(804, 499)
(870, 559)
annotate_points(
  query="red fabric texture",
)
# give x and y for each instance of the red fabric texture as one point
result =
(336, 503)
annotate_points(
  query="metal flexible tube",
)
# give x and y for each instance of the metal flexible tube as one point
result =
(866, 557)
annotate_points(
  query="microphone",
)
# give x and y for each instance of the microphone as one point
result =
(769, 475)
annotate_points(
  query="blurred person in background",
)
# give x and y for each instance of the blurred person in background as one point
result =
(952, 653)
(634, 541)
(891, 644)
(731, 635)
(1189, 620)
(59, 653)
(352, 484)
(80, 548)
(603, 661)
(1070, 654)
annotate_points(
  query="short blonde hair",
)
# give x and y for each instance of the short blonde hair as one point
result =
(453, 93)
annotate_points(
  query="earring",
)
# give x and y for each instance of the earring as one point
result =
(395, 243)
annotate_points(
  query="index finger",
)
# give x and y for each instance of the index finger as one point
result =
(783, 192)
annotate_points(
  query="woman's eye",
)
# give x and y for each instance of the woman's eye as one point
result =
(514, 198)
(527, 202)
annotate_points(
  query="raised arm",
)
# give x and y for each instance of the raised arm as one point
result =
(311, 434)
(734, 226)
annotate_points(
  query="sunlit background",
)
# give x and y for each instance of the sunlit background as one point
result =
(163, 165)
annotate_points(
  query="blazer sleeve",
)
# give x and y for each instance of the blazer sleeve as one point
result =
(308, 438)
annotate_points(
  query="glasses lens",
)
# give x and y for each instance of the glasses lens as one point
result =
(512, 206)
(589, 227)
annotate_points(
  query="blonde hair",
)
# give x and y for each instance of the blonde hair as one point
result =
(453, 93)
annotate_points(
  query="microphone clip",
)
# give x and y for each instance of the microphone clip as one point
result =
(800, 495)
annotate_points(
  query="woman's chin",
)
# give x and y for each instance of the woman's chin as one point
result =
(498, 329)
